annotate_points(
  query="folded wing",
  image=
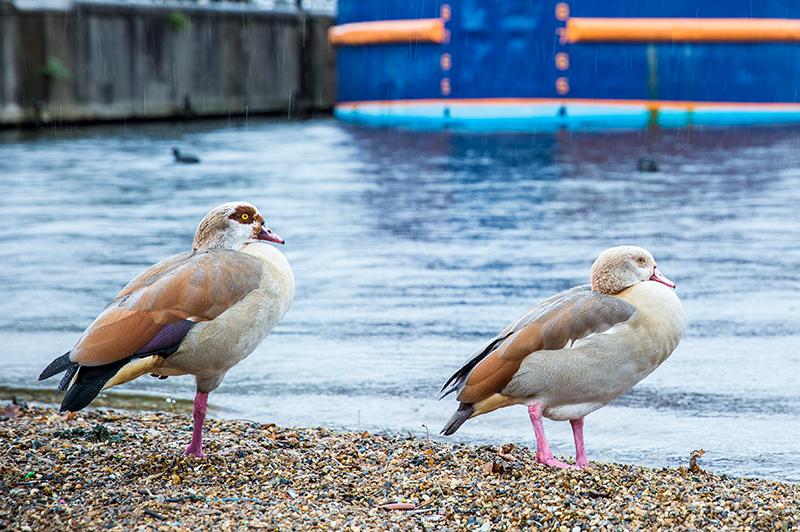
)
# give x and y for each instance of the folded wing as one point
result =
(552, 324)
(159, 306)
(457, 380)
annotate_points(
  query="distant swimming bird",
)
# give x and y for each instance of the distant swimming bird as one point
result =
(575, 351)
(197, 313)
(184, 158)
(647, 164)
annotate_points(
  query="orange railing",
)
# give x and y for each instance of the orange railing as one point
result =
(680, 30)
(388, 31)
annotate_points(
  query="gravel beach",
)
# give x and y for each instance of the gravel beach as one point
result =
(109, 468)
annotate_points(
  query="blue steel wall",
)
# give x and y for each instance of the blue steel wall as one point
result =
(506, 49)
(696, 72)
(388, 72)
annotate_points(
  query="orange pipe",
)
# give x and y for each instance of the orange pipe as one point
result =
(681, 30)
(388, 32)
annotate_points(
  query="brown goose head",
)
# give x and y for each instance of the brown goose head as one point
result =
(231, 225)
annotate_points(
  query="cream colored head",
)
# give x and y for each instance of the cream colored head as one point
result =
(621, 267)
(230, 226)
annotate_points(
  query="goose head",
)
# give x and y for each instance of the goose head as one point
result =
(621, 267)
(231, 225)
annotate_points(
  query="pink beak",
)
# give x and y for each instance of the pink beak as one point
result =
(267, 234)
(661, 278)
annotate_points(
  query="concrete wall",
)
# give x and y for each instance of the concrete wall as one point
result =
(139, 62)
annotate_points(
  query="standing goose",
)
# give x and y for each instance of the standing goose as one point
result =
(197, 313)
(575, 351)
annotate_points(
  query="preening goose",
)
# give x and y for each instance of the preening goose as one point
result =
(577, 350)
(197, 313)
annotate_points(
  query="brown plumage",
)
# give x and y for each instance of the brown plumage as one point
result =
(197, 313)
(577, 350)
(196, 286)
(577, 316)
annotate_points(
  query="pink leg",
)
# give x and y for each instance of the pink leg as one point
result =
(196, 447)
(581, 460)
(543, 453)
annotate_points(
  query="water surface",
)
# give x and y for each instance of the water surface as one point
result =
(410, 249)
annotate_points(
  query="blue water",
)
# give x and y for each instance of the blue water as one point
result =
(410, 249)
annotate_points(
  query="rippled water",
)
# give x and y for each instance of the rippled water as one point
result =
(412, 248)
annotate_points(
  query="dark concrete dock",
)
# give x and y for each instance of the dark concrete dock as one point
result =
(91, 61)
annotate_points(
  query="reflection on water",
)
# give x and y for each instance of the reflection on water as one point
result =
(411, 248)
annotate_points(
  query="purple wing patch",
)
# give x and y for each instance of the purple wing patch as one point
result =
(167, 340)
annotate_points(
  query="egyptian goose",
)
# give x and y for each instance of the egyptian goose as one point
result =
(575, 351)
(197, 313)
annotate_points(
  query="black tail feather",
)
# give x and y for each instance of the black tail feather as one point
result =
(64, 384)
(58, 365)
(457, 379)
(465, 410)
(88, 384)
(89, 380)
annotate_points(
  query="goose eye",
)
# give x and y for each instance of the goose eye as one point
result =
(641, 260)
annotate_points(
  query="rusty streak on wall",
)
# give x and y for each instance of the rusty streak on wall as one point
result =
(95, 62)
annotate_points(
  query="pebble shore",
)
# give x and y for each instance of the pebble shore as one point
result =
(108, 468)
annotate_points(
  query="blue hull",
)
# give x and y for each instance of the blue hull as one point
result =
(501, 71)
